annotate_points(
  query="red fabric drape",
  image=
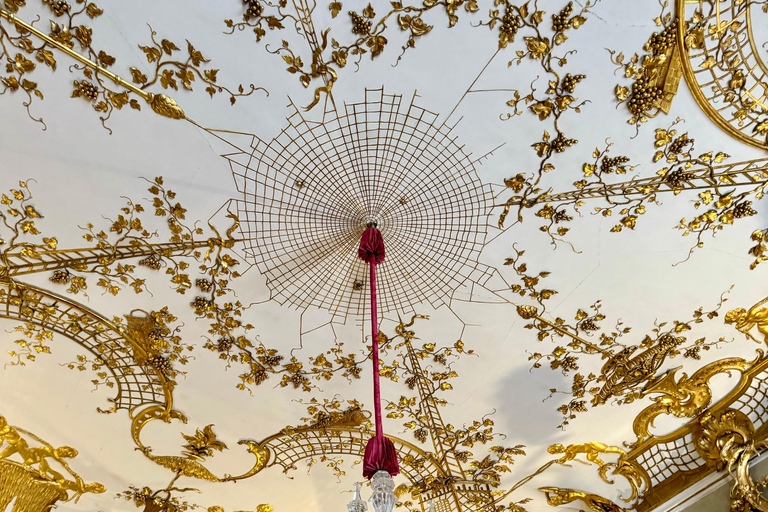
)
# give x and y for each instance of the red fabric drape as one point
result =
(379, 452)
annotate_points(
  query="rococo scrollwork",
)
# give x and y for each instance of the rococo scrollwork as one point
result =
(457, 246)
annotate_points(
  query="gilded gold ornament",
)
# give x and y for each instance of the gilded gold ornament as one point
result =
(746, 320)
(591, 450)
(685, 397)
(557, 496)
(36, 480)
(708, 33)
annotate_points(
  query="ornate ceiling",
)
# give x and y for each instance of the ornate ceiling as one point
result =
(573, 301)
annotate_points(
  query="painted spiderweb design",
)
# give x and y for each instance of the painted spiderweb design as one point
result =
(308, 194)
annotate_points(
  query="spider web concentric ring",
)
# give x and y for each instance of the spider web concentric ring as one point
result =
(308, 194)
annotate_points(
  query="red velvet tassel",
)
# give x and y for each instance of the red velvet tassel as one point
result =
(371, 244)
(380, 453)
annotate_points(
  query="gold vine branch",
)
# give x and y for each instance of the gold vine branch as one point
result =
(169, 72)
(259, 13)
(655, 76)
(113, 261)
(369, 38)
(627, 367)
(228, 336)
(407, 365)
(228, 333)
(60, 39)
(128, 237)
(422, 411)
(105, 90)
(67, 33)
(326, 414)
(37, 342)
(725, 191)
(124, 251)
(540, 46)
(162, 343)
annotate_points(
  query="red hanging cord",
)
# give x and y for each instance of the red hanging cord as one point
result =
(379, 452)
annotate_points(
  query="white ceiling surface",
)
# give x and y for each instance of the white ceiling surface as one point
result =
(81, 172)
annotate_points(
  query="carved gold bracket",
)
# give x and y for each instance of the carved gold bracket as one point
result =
(160, 103)
(674, 461)
(726, 441)
(685, 397)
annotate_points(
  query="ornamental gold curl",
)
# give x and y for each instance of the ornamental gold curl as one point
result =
(685, 397)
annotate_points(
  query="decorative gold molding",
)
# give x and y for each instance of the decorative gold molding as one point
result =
(189, 466)
(673, 462)
(624, 467)
(684, 397)
(726, 440)
(718, 437)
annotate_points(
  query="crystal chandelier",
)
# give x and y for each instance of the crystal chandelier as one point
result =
(357, 504)
(383, 498)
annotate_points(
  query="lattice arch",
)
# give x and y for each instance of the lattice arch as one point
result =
(308, 194)
(728, 44)
(137, 385)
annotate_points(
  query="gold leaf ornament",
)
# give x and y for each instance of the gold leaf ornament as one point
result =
(152, 53)
(419, 27)
(537, 47)
(202, 444)
(542, 109)
(13, 5)
(22, 64)
(165, 106)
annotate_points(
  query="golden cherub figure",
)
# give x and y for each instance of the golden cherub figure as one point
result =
(40, 455)
(557, 496)
(592, 450)
(745, 321)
